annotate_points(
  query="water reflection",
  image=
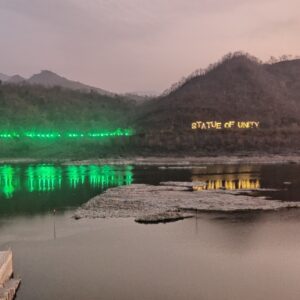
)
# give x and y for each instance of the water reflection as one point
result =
(235, 184)
(43, 178)
(48, 178)
(9, 180)
(228, 178)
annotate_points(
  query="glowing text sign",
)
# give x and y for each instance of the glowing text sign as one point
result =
(217, 125)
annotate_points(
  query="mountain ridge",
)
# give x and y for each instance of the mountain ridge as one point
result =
(16, 79)
(3, 77)
(50, 79)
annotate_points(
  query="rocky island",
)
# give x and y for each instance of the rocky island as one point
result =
(171, 202)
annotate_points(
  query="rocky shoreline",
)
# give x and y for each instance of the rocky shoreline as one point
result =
(171, 161)
(190, 161)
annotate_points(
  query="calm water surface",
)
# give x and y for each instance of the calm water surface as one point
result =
(214, 256)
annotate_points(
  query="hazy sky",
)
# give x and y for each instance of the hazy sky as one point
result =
(140, 45)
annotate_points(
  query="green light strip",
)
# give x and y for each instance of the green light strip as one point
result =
(53, 135)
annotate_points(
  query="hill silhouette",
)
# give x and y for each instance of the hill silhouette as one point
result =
(48, 78)
(3, 77)
(238, 88)
(16, 79)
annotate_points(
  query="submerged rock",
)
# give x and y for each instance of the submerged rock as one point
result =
(152, 204)
(184, 184)
(169, 216)
(187, 167)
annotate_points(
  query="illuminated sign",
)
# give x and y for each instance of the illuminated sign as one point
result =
(217, 125)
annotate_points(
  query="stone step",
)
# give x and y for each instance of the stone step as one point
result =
(8, 291)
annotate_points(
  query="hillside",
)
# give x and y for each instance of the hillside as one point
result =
(287, 74)
(25, 108)
(36, 106)
(237, 88)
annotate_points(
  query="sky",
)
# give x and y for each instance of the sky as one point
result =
(140, 45)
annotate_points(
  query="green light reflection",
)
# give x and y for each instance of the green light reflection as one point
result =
(9, 181)
(49, 178)
(43, 178)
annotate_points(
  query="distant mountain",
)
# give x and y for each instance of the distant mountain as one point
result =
(141, 97)
(50, 79)
(3, 77)
(16, 79)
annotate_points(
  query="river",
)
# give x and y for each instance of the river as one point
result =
(213, 256)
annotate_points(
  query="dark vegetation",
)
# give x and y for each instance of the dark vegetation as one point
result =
(239, 88)
(36, 108)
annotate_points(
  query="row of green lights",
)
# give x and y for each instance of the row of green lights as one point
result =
(42, 135)
(9, 135)
(51, 135)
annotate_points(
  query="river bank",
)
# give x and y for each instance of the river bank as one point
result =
(189, 161)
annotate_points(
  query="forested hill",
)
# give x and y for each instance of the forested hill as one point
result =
(238, 87)
(24, 107)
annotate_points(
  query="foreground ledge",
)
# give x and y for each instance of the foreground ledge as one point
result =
(8, 285)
